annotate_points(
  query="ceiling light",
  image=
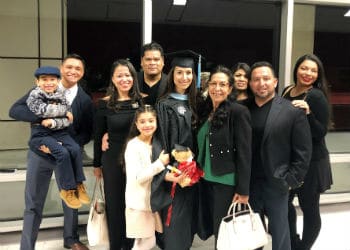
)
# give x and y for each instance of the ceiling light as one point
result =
(180, 2)
(347, 14)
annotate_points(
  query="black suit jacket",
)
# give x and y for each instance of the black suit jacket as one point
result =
(80, 130)
(286, 145)
(230, 146)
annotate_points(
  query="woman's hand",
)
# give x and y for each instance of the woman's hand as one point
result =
(240, 199)
(302, 104)
(98, 172)
(173, 177)
(105, 143)
(164, 158)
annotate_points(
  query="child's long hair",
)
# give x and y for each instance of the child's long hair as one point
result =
(143, 109)
(133, 132)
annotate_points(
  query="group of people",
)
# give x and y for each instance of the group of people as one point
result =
(253, 146)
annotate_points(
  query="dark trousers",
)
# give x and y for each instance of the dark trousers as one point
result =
(39, 172)
(220, 197)
(114, 187)
(266, 200)
(65, 151)
(309, 201)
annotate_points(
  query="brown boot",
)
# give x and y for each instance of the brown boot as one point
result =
(70, 198)
(82, 194)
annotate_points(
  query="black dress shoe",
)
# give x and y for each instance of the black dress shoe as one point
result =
(77, 246)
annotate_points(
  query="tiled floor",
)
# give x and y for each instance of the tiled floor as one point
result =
(334, 234)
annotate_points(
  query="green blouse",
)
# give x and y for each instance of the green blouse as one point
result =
(204, 158)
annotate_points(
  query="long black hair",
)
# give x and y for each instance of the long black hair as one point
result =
(133, 129)
(321, 81)
(141, 110)
(246, 68)
(112, 91)
(191, 92)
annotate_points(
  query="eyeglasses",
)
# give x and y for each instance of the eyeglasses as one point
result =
(221, 85)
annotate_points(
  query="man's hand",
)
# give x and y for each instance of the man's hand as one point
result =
(69, 116)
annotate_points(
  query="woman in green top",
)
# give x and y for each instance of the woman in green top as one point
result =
(224, 144)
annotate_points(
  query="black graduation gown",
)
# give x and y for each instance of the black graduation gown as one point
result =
(174, 123)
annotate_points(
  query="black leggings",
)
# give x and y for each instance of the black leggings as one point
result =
(309, 201)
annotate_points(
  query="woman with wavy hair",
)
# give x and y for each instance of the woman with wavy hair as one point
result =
(114, 116)
(224, 148)
(309, 92)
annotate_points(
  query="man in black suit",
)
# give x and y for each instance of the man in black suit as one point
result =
(39, 169)
(152, 80)
(281, 148)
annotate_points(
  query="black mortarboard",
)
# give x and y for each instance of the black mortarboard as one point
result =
(180, 148)
(187, 59)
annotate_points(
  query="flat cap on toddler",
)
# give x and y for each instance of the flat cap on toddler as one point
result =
(47, 70)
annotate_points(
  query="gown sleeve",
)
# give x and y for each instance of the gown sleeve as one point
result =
(160, 189)
(163, 125)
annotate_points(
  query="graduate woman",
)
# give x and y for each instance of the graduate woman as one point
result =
(176, 116)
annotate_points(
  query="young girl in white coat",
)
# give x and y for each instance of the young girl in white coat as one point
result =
(141, 223)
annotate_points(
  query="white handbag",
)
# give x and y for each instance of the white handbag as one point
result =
(241, 230)
(96, 229)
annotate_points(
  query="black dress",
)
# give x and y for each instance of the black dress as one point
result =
(174, 119)
(117, 124)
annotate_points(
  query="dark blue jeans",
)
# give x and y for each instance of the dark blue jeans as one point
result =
(39, 172)
(67, 155)
(264, 199)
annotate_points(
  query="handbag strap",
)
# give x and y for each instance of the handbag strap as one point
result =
(234, 214)
(233, 209)
(98, 185)
(102, 190)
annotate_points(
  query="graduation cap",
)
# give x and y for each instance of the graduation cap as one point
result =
(187, 59)
(180, 148)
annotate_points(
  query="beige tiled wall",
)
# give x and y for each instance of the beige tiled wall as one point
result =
(18, 28)
(51, 28)
(303, 32)
(21, 52)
